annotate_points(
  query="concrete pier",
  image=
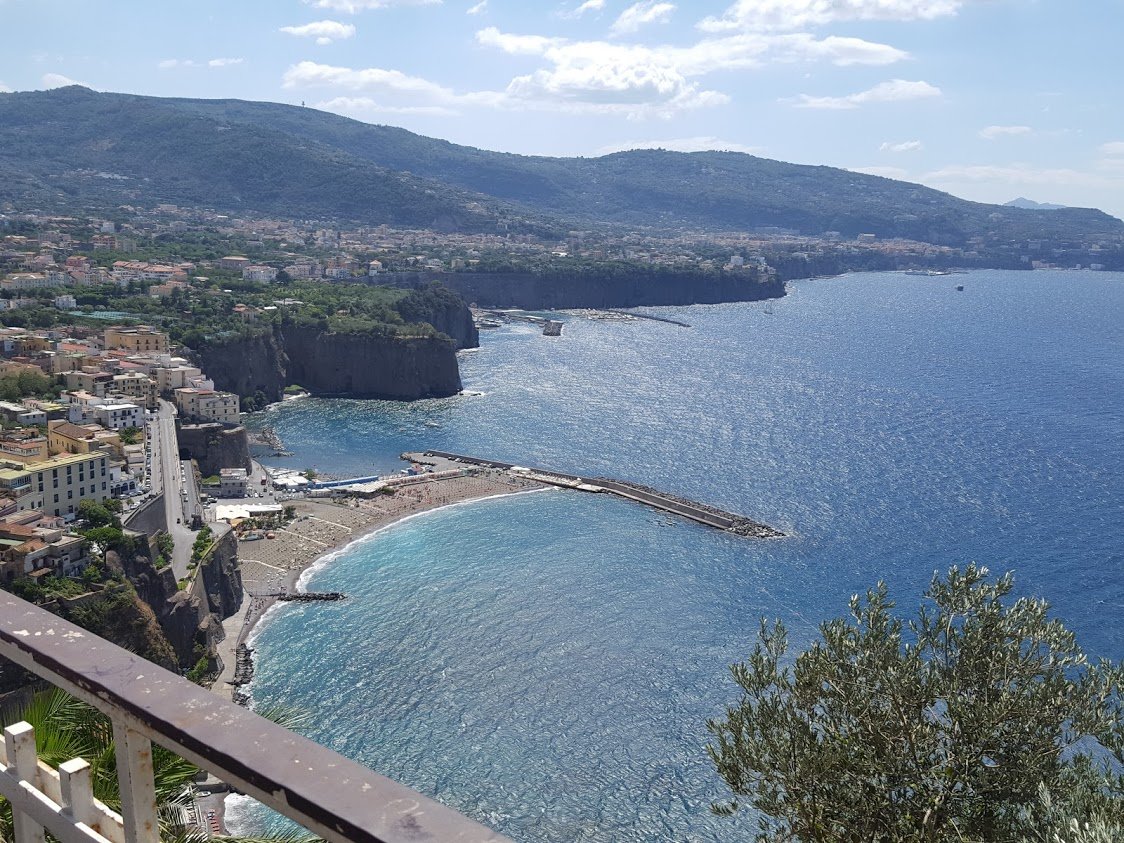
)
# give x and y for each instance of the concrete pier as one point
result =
(701, 513)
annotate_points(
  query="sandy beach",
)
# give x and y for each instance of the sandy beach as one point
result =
(324, 526)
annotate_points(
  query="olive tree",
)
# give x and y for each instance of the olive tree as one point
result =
(979, 719)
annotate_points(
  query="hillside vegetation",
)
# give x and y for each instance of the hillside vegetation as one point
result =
(74, 145)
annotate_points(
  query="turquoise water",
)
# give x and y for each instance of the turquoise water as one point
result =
(545, 662)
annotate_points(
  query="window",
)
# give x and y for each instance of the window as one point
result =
(56, 498)
(70, 495)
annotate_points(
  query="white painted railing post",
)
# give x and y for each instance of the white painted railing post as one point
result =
(19, 743)
(138, 787)
(77, 790)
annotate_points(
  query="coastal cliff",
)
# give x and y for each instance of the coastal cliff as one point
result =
(637, 287)
(247, 365)
(352, 364)
(362, 366)
(189, 621)
(215, 446)
(442, 308)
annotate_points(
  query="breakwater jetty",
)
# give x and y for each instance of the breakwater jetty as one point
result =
(649, 317)
(701, 513)
(310, 596)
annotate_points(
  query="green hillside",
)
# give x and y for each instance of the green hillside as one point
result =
(72, 144)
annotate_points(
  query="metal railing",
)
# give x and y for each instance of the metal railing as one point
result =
(331, 796)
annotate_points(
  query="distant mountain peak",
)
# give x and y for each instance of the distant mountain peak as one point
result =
(1031, 205)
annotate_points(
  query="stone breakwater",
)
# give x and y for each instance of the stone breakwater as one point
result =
(731, 523)
(705, 514)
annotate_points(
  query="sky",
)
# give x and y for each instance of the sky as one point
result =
(986, 99)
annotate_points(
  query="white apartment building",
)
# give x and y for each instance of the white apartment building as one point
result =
(118, 415)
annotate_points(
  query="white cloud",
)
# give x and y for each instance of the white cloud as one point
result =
(993, 132)
(324, 31)
(839, 50)
(599, 77)
(1114, 148)
(640, 14)
(361, 107)
(57, 80)
(661, 79)
(353, 6)
(797, 14)
(1016, 173)
(905, 146)
(896, 90)
(478, 8)
(170, 64)
(733, 52)
(527, 45)
(630, 90)
(612, 77)
(311, 74)
(696, 144)
(587, 6)
(4, 89)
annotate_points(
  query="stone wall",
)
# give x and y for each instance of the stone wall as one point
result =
(214, 446)
(150, 518)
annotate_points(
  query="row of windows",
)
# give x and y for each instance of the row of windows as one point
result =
(70, 470)
(70, 494)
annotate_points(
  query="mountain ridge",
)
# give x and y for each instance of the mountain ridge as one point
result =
(279, 159)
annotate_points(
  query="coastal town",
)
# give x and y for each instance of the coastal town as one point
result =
(104, 436)
(157, 247)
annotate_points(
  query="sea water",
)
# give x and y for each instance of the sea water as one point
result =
(545, 663)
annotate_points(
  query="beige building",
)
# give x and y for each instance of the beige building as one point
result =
(57, 485)
(140, 387)
(171, 378)
(208, 405)
(137, 339)
(66, 438)
(95, 383)
(25, 446)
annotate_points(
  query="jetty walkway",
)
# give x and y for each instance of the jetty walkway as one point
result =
(701, 513)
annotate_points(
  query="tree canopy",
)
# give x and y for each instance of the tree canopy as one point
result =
(979, 719)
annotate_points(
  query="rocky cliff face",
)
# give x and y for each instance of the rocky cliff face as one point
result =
(362, 366)
(214, 446)
(632, 288)
(189, 621)
(444, 310)
(353, 365)
(247, 365)
(222, 578)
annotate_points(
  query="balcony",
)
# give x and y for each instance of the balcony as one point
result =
(329, 795)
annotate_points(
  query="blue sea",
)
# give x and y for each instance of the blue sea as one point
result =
(546, 662)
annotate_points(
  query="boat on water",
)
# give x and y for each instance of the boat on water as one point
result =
(960, 288)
